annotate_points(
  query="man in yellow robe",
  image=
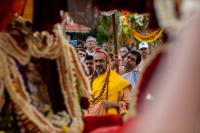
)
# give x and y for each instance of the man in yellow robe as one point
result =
(111, 92)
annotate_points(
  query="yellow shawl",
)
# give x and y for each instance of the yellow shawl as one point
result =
(115, 86)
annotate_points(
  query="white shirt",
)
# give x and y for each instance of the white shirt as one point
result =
(132, 77)
(89, 53)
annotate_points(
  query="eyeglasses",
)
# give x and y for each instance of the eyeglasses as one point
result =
(91, 41)
(130, 58)
(142, 49)
(81, 54)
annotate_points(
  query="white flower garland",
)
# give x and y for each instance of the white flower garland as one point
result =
(55, 48)
(165, 10)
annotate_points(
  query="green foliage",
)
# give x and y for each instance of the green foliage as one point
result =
(100, 32)
(104, 26)
(125, 33)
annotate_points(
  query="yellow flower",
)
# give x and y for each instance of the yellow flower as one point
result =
(65, 128)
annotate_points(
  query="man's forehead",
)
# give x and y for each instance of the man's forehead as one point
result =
(79, 44)
(131, 55)
(123, 48)
(89, 60)
(91, 39)
(99, 55)
(105, 44)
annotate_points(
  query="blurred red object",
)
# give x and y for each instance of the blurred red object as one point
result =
(94, 122)
(8, 10)
(131, 5)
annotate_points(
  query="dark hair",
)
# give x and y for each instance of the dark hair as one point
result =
(88, 57)
(127, 46)
(137, 54)
(82, 49)
(79, 42)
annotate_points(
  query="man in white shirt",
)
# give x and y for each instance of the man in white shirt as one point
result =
(91, 44)
(145, 52)
(132, 59)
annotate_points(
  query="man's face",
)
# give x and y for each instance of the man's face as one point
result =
(90, 65)
(105, 47)
(130, 61)
(100, 62)
(122, 51)
(121, 61)
(91, 43)
(81, 54)
(78, 47)
(144, 52)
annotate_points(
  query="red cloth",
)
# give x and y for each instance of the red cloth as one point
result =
(145, 80)
(129, 126)
(8, 9)
(112, 129)
(125, 128)
(94, 122)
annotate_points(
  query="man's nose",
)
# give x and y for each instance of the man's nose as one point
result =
(127, 60)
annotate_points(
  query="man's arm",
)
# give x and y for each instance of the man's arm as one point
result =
(123, 102)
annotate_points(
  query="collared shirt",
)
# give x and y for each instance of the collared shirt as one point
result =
(132, 77)
(89, 53)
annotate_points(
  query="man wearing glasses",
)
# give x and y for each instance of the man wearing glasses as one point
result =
(91, 44)
(145, 52)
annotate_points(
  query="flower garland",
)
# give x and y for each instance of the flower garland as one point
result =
(145, 36)
(9, 46)
(101, 92)
(151, 40)
(58, 49)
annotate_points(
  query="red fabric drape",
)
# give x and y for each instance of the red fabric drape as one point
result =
(145, 80)
(94, 122)
(7, 10)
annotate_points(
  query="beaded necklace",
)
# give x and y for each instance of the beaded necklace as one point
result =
(97, 98)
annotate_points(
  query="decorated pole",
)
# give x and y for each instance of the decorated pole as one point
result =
(112, 13)
(109, 39)
(115, 40)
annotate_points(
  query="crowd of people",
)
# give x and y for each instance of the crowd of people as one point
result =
(111, 88)
(48, 85)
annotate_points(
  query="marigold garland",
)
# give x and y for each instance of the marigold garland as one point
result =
(145, 36)
(149, 41)
(149, 38)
